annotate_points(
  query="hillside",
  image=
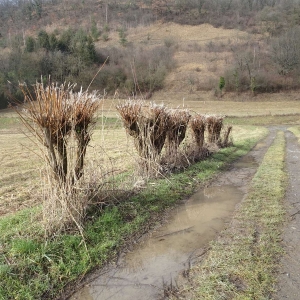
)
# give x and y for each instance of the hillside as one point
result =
(152, 50)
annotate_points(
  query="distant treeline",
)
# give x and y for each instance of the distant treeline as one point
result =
(257, 15)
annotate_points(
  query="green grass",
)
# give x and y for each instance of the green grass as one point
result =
(241, 264)
(296, 131)
(32, 267)
(9, 123)
(108, 123)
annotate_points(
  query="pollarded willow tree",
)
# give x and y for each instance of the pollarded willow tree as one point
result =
(178, 120)
(148, 126)
(214, 125)
(198, 124)
(61, 120)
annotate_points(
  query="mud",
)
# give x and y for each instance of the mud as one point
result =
(171, 249)
(289, 273)
(247, 161)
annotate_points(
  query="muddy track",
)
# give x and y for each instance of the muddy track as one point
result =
(182, 241)
(289, 273)
(158, 260)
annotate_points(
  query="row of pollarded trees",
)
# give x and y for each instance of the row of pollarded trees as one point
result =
(155, 127)
(62, 121)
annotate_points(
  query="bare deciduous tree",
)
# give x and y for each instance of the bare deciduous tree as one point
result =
(286, 51)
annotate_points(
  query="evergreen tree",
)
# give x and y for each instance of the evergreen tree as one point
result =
(53, 42)
(30, 44)
(43, 40)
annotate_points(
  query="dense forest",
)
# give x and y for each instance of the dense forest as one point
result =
(67, 40)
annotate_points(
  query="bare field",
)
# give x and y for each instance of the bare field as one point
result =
(19, 172)
(207, 104)
(110, 152)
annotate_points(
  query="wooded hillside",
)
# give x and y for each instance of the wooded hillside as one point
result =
(69, 40)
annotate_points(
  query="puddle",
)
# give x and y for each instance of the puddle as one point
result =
(260, 145)
(140, 274)
(247, 161)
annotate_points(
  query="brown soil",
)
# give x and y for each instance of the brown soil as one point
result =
(289, 273)
(239, 175)
(157, 261)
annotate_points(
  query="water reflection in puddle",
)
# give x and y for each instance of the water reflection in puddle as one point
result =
(247, 161)
(164, 254)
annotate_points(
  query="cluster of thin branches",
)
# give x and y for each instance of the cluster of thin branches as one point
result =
(148, 126)
(177, 126)
(209, 132)
(155, 126)
(215, 126)
(62, 121)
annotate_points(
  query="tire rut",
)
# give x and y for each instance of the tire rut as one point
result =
(289, 271)
(145, 281)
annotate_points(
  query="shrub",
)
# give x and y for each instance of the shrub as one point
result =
(105, 37)
(169, 42)
(43, 40)
(221, 83)
(143, 70)
(30, 44)
(122, 37)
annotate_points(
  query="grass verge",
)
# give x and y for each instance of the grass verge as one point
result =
(241, 264)
(296, 131)
(34, 268)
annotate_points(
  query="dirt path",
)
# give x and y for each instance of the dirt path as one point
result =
(137, 277)
(289, 273)
(141, 273)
